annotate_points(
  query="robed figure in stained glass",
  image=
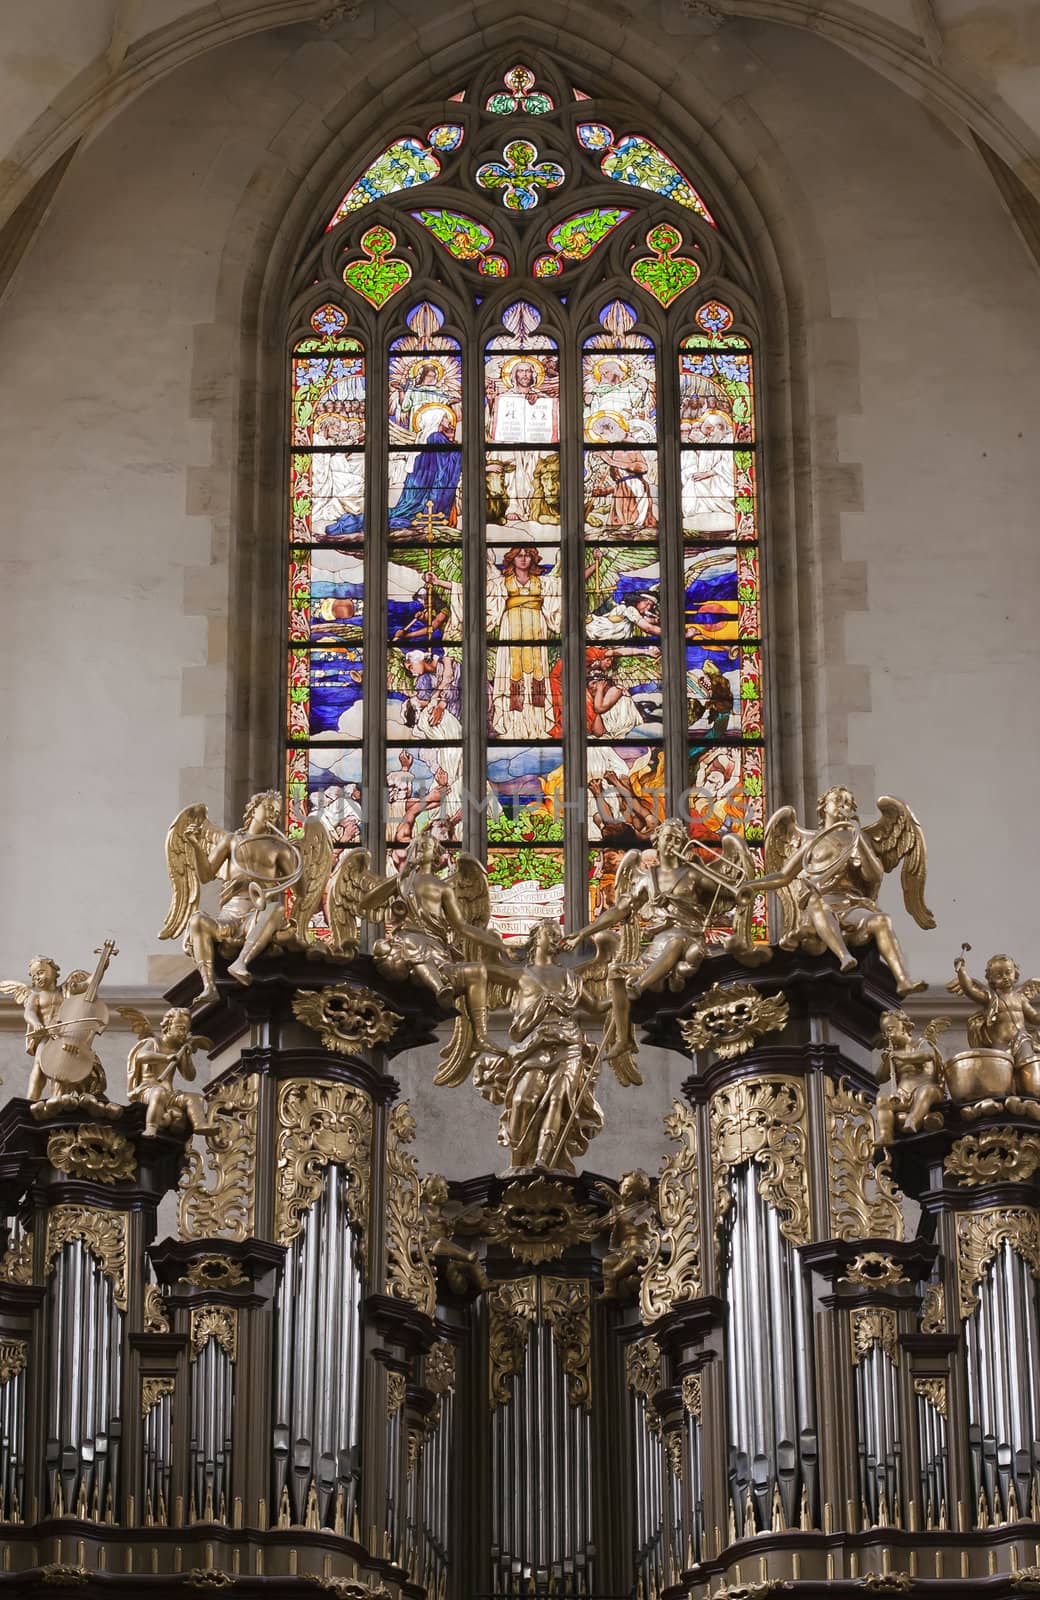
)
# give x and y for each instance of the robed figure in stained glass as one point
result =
(524, 609)
(431, 484)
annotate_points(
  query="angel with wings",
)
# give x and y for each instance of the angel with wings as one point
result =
(153, 1064)
(670, 897)
(913, 1064)
(1009, 1020)
(41, 1001)
(828, 880)
(257, 864)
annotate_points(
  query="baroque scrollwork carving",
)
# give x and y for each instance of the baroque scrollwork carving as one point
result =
(103, 1233)
(214, 1322)
(763, 1120)
(439, 1368)
(17, 1263)
(673, 1268)
(319, 1123)
(693, 1395)
(538, 1220)
(13, 1356)
(410, 1273)
(94, 1152)
(1000, 1155)
(874, 1327)
(565, 1306)
(396, 1385)
(155, 1318)
(215, 1272)
(933, 1309)
(152, 1391)
(227, 1207)
(673, 1443)
(980, 1235)
(643, 1368)
(863, 1199)
(512, 1309)
(872, 1269)
(730, 1017)
(934, 1391)
(347, 1019)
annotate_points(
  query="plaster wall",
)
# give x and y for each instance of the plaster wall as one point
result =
(125, 365)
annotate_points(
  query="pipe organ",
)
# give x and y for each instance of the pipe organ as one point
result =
(796, 1359)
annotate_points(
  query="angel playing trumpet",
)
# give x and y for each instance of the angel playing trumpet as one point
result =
(827, 881)
(257, 864)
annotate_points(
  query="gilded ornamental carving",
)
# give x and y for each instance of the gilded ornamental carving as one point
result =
(214, 1322)
(673, 1266)
(347, 1019)
(980, 1235)
(319, 1123)
(153, 1390)
(512, 1311)
(13, 1356)
(103, 1233)
(225, 1208)
(731, 1017)
(863, 1199)
(763, 1120)
(409, 1263)
(874, 1327)
(565, 1306)
(1000, 1155)
(94, 1152)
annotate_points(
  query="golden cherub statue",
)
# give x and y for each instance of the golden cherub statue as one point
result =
(913, 1064)
(1008, 1021)
(632, 1221)
(443, 1217)
(828, 880)
(258, 865)
(670, 897)
(61, 1024)
(153, 1064)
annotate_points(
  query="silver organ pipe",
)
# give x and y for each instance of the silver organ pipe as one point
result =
(1003, 1367)
(85, 1363)
(157, 1452)
(934, 1456)
(315, 1444)
(209, 1446)
(876, 1382)
(770, 1366)
(693, 1488)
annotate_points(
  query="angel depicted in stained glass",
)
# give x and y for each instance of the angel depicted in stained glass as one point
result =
(523, 600)
(623, 692)
(828, 879)
(623, 594)
(620, 483)
(257, 864)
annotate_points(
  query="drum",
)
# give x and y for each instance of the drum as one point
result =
(1027, 1078)
(979, 1074)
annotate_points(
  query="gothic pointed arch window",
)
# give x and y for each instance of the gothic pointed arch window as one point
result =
(524, 594)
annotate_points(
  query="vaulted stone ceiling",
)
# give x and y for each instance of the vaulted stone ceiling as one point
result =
(66, 67)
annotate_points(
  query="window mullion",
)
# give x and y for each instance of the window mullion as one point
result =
(572, 539)
(673, 654)
(377, 555)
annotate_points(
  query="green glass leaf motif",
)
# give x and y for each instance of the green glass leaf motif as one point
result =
(666, 276)
(378, 279)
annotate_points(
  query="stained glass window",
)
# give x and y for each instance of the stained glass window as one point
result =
(523, 559)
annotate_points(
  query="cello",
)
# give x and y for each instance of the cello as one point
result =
(67, 1055)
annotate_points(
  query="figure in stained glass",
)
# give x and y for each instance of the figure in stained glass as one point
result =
(522, 401)
(425, 694)
(717, 798)
(622, 386)
(431, 484)
(709, 475)
(711, 697)
(619, 489)
(424, 594)
(523, 598)
(623, 594)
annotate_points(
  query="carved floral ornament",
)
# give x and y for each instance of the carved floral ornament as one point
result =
(17, 1263)
(1000, 1155)
(103, 1233)
(874, 1327)
(410, 1272)
(980, 1235)
(730, 1017)
(439, 1368)
(92, 1152)
(934, 1391)
(933, 1309)
(13, 1356)
(513, 1309)
(863, 1199)
(319, 1123)
(227, 1209)
(763, 1120)
(643, 1368)
(347, 1019)
(214, 1322)
(154, 1317)
(872, 1269)
(215, 1272)
(152, 1391)
(673, 1269)
(693, 1395)
(539, 1220)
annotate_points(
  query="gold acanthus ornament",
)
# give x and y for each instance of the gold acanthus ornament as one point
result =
(862, 1197)
(980, 1235)
(319, 1123)
(439, 1368)
(215, 1272)
(763, 1120)
(870, 1327)
(731, 1017)
(17, 1263)
(673, 1266)
(347, 1019)
(693, 1395)
(539, 1219)
(214, 1322)
(396, 1387)
(155, 1318)
(643, 1368)
(512, 1312)
(103, 1233)
(93, 1152)
(673, 1449)
(1000, 1155)
(227, 1207)
(934, 1391)
(153, 1390)
(933, 1309)
(566, 1308)
(410, 1273)
(13, 1356)
(872, 1269)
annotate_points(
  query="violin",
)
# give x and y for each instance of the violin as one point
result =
(66, 1055)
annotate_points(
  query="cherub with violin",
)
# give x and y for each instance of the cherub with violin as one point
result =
(61, 1024)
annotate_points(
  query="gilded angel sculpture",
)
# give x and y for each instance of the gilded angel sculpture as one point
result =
(828, 880)
(632, 1221)
(1009, 1019)
(153, 1064)
(257, 864)
(61, 1024)
(913, 1064)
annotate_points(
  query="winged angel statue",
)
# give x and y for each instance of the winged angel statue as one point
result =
(827, 880)
(257, 864)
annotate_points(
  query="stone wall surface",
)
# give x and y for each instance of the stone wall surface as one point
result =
(128, 344)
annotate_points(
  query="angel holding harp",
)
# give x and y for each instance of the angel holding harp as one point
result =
(257, 864)
(828, 880)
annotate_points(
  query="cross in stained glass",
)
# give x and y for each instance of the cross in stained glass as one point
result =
(520, 175)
